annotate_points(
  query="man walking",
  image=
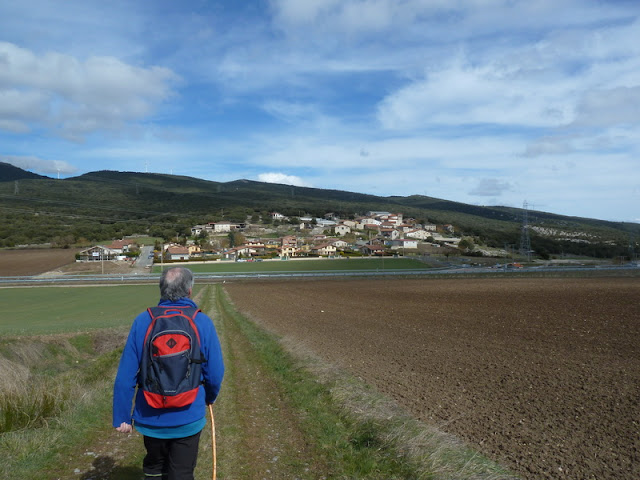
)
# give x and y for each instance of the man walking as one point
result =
(171, 434)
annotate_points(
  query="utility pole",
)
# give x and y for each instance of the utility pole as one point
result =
(525, 241)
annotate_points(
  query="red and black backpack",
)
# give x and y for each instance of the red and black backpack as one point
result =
(171, 364)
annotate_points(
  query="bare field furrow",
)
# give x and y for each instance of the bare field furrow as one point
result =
(542, 375)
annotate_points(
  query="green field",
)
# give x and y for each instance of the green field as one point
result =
(320, 265)
(55, 310)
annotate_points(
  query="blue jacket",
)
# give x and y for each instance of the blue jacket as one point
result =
(126, 378)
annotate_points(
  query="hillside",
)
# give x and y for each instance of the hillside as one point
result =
(10, 173)
(108, 204)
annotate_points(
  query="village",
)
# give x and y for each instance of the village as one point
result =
(374, 234)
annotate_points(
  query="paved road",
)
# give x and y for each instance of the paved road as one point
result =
(145, 259)
(142, 274)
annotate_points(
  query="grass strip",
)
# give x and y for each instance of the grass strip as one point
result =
(74, 416)
(359, 432)
(47, 310)
(320, 265)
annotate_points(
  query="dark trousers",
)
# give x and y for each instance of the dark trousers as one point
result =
(170, 458)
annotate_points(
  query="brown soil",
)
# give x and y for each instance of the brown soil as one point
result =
(542, 375)
(54, 261)
(107, 267)
(34, 261)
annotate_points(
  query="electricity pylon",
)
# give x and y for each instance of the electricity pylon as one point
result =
(525, 241)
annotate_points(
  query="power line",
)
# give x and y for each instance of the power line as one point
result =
(525, 241)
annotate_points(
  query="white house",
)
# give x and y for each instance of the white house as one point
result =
(370, 221)
(97, 253)
(340, 244)
(396, 219)
(406, 243)
(323, 250)
(197, 230)
(242, 251)
(352, 224)
(418, 234)
(378, 214)
(390, 233)
(321, 222)
(177, 253)
(289, 250)
(223, 227)
(341, 229)
(452, 241)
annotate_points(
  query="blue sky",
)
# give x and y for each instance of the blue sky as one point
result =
(487, 102)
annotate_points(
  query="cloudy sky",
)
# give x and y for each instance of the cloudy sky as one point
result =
(487, 102)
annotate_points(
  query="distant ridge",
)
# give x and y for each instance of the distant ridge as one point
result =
(10, 172)
(110, 204)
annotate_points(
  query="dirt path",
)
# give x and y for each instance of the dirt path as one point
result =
(259, 434)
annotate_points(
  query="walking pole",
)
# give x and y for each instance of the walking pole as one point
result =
(213, 440)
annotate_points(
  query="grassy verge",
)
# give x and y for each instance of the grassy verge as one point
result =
(321, 265)
(357, 432)
(55, 396)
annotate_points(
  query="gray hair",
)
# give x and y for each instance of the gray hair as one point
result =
(176, 283)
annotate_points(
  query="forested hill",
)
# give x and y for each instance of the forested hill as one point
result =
(9, 173)
(108, 204)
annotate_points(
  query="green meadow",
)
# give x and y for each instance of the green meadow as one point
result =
(320, 265)
(44, 310)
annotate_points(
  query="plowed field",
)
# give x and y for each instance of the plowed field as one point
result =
(542, 375)
(34, 261)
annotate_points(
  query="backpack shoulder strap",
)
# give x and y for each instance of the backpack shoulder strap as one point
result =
(192, 320)
(150, 310)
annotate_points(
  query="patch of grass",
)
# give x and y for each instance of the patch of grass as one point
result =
(37, 453)
(41, 399)
(83, 343)
(45, 310)
(43, 417)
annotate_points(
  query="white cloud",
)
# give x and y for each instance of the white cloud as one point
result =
(274, 177)
(605, 108)
(290, 111)
(39, 165)
(491, 187)
(548, 146)
(464, 94)
(73, 97)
